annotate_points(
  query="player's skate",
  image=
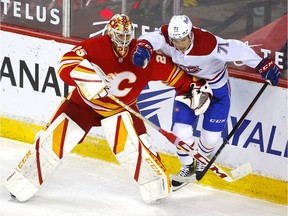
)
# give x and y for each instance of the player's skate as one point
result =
(199, 167)
(184, 176)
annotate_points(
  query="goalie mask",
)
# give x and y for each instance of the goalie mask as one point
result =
(180, 32)
(121, 31)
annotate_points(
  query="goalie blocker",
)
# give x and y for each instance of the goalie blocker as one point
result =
(132, 151)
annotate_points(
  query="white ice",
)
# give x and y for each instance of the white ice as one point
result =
(88, 187)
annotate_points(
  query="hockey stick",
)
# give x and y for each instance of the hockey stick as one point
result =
(185, 181)
(201, 174)
(230, 177)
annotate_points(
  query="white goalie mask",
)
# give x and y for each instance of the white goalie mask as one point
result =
(180, 26)
(121, 30)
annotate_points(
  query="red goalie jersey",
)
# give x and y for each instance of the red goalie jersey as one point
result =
(126, 79)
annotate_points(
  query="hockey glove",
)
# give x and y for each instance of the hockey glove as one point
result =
(269, 71)
(199, 96)
(142, 53)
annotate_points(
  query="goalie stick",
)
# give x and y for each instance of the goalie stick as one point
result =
(229, 177)
(201, 174)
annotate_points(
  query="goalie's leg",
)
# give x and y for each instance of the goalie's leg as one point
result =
(53, 144)
(38, 163)
(132, 151)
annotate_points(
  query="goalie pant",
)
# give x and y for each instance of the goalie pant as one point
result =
(69, 126)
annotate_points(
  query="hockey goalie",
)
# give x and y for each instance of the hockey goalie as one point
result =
(88, 105)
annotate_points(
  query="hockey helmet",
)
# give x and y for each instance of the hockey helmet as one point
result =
(180, 26)
(121, 31)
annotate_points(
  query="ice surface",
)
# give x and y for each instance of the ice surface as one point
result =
(88, 187)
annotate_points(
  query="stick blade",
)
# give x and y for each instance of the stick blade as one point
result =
(241, 171)
(185, 181)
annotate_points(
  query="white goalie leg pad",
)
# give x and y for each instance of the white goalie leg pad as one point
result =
(44, 156)
(160, 187)
(131, 152)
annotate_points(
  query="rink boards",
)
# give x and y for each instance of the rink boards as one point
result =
(31, 91)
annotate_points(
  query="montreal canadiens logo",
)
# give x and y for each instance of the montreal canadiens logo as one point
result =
(191, 69)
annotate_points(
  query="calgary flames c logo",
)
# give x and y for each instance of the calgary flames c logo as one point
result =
(121, 83)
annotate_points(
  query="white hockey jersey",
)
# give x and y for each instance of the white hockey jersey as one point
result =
(207, 56)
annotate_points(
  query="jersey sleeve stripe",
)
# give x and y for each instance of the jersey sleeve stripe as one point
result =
(176, 77)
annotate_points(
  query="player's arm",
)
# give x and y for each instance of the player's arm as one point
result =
(162, 68)
(76, 70)
(144, 47)
(195, 93)
(235, 50)
(69, 61)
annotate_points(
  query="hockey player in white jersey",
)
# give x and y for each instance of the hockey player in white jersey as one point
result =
(205, 56)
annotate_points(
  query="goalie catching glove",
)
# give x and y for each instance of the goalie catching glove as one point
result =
(199, 96)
